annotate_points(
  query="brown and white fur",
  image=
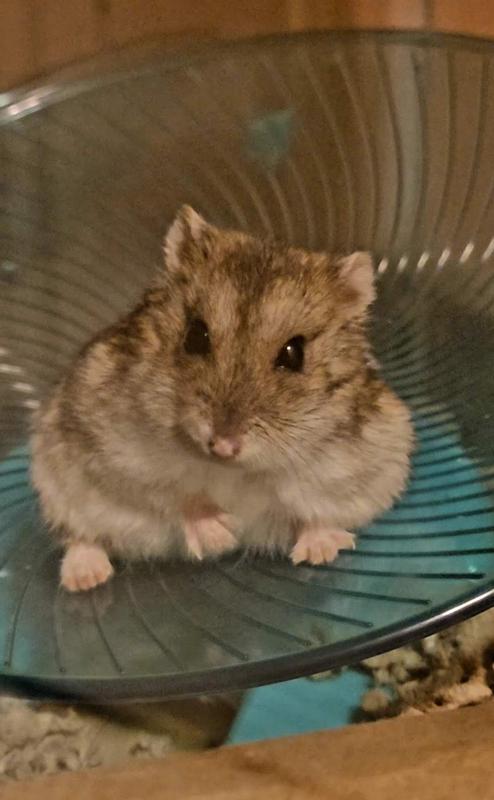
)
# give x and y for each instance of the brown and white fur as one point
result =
(146, 450)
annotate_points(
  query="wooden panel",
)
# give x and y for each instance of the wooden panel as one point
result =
(358, 14)
(252, 18)
(386, 14)
(133, 19)
(432, 757)
(17, 56)
(464, 16)
(65, 30)
(308, 14)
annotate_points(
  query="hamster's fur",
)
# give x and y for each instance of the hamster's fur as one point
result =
(237, 405)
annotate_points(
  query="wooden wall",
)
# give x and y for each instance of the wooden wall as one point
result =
(39, 36)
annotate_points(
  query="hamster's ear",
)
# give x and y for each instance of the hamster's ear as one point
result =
(357, 272)
(187, 230)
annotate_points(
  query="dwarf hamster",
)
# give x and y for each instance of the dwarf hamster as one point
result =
(236, 406)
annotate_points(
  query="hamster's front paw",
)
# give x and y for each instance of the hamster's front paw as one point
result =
(208, 530)
(319, 544)
(84, 566)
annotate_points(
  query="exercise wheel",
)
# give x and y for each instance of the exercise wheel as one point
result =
(331, 141)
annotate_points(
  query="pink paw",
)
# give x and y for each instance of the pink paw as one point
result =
(208, 530)
(84, 566)
(320, 544)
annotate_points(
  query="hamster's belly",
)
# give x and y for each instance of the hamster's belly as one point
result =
(264, 525)
(246, 497)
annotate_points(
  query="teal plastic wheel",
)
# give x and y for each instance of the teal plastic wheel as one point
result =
(331, 141)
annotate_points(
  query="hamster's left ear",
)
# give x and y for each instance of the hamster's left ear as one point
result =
(187, 233)
(357, 272)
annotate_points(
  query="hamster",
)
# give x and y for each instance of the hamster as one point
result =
(236, 406)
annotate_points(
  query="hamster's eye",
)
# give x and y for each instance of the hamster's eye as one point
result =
(291, 355)
(197, 342)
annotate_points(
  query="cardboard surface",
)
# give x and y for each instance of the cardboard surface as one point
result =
(434, 757)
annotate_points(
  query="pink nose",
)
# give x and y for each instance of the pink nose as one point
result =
(225, 446)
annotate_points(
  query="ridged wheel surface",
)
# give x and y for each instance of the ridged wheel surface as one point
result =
(338, 142)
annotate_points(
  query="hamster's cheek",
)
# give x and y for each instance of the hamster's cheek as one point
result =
(257, 452)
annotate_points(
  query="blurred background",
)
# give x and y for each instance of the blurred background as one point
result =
(40, 36)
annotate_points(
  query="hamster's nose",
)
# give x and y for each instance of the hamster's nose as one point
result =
(225, 446)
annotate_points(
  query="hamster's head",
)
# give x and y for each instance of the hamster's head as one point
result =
(265, 344)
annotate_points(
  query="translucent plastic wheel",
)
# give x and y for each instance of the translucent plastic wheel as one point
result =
(331, 141)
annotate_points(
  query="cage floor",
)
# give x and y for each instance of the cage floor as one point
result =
(331, 141)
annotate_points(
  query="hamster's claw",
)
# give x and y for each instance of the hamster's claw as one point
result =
(84, 566)
(209, 535)
(320, 544)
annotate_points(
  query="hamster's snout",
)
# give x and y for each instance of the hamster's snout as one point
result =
(225, 446)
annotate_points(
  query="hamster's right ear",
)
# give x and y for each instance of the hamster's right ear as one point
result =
(357, 272)
(187, 232)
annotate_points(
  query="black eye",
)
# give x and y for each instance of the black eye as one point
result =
(197, 342)
(291, 355)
